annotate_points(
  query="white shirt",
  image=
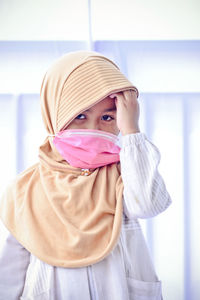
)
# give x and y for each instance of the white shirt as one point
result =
(126, 273)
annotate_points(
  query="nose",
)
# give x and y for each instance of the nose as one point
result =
(93, 125)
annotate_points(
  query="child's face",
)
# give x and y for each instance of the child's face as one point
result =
(101, 116)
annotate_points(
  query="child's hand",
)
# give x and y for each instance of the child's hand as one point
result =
(127, 111)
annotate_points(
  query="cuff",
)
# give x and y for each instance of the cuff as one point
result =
(133, 139)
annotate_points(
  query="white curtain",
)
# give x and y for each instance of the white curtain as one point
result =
(167, 75)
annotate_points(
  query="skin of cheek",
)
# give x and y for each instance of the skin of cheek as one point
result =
(111, 128)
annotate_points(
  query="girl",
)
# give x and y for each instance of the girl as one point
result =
(71, 219)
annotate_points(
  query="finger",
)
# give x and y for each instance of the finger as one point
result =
(120, 100)
(112, 96)
(130, 95)
(126, 92)
(134, 93)
(131, 99)
(115, 95)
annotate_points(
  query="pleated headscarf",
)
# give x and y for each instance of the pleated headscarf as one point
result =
(61, 216)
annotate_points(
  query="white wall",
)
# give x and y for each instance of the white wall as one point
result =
(111, 19)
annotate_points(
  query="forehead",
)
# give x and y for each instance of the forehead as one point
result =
(105, 104)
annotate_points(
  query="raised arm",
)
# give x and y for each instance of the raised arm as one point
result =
(145, 194)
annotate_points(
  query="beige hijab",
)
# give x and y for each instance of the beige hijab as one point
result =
(64, 218)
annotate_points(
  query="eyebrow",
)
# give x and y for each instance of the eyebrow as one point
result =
(106, 110)
(110, 109)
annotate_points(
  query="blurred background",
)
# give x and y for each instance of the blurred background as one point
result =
(157, 45)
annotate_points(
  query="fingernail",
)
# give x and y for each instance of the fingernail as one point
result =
(113, 96)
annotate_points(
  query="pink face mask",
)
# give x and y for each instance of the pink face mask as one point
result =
(87, 149)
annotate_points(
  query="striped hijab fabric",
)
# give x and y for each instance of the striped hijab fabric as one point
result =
(76, 82)
(57, 213)
(96, 78)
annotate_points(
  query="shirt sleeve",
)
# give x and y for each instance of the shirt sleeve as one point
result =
(145, 193)
(14, 260)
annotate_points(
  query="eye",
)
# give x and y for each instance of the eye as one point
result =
(81, 117)
(107, 118)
